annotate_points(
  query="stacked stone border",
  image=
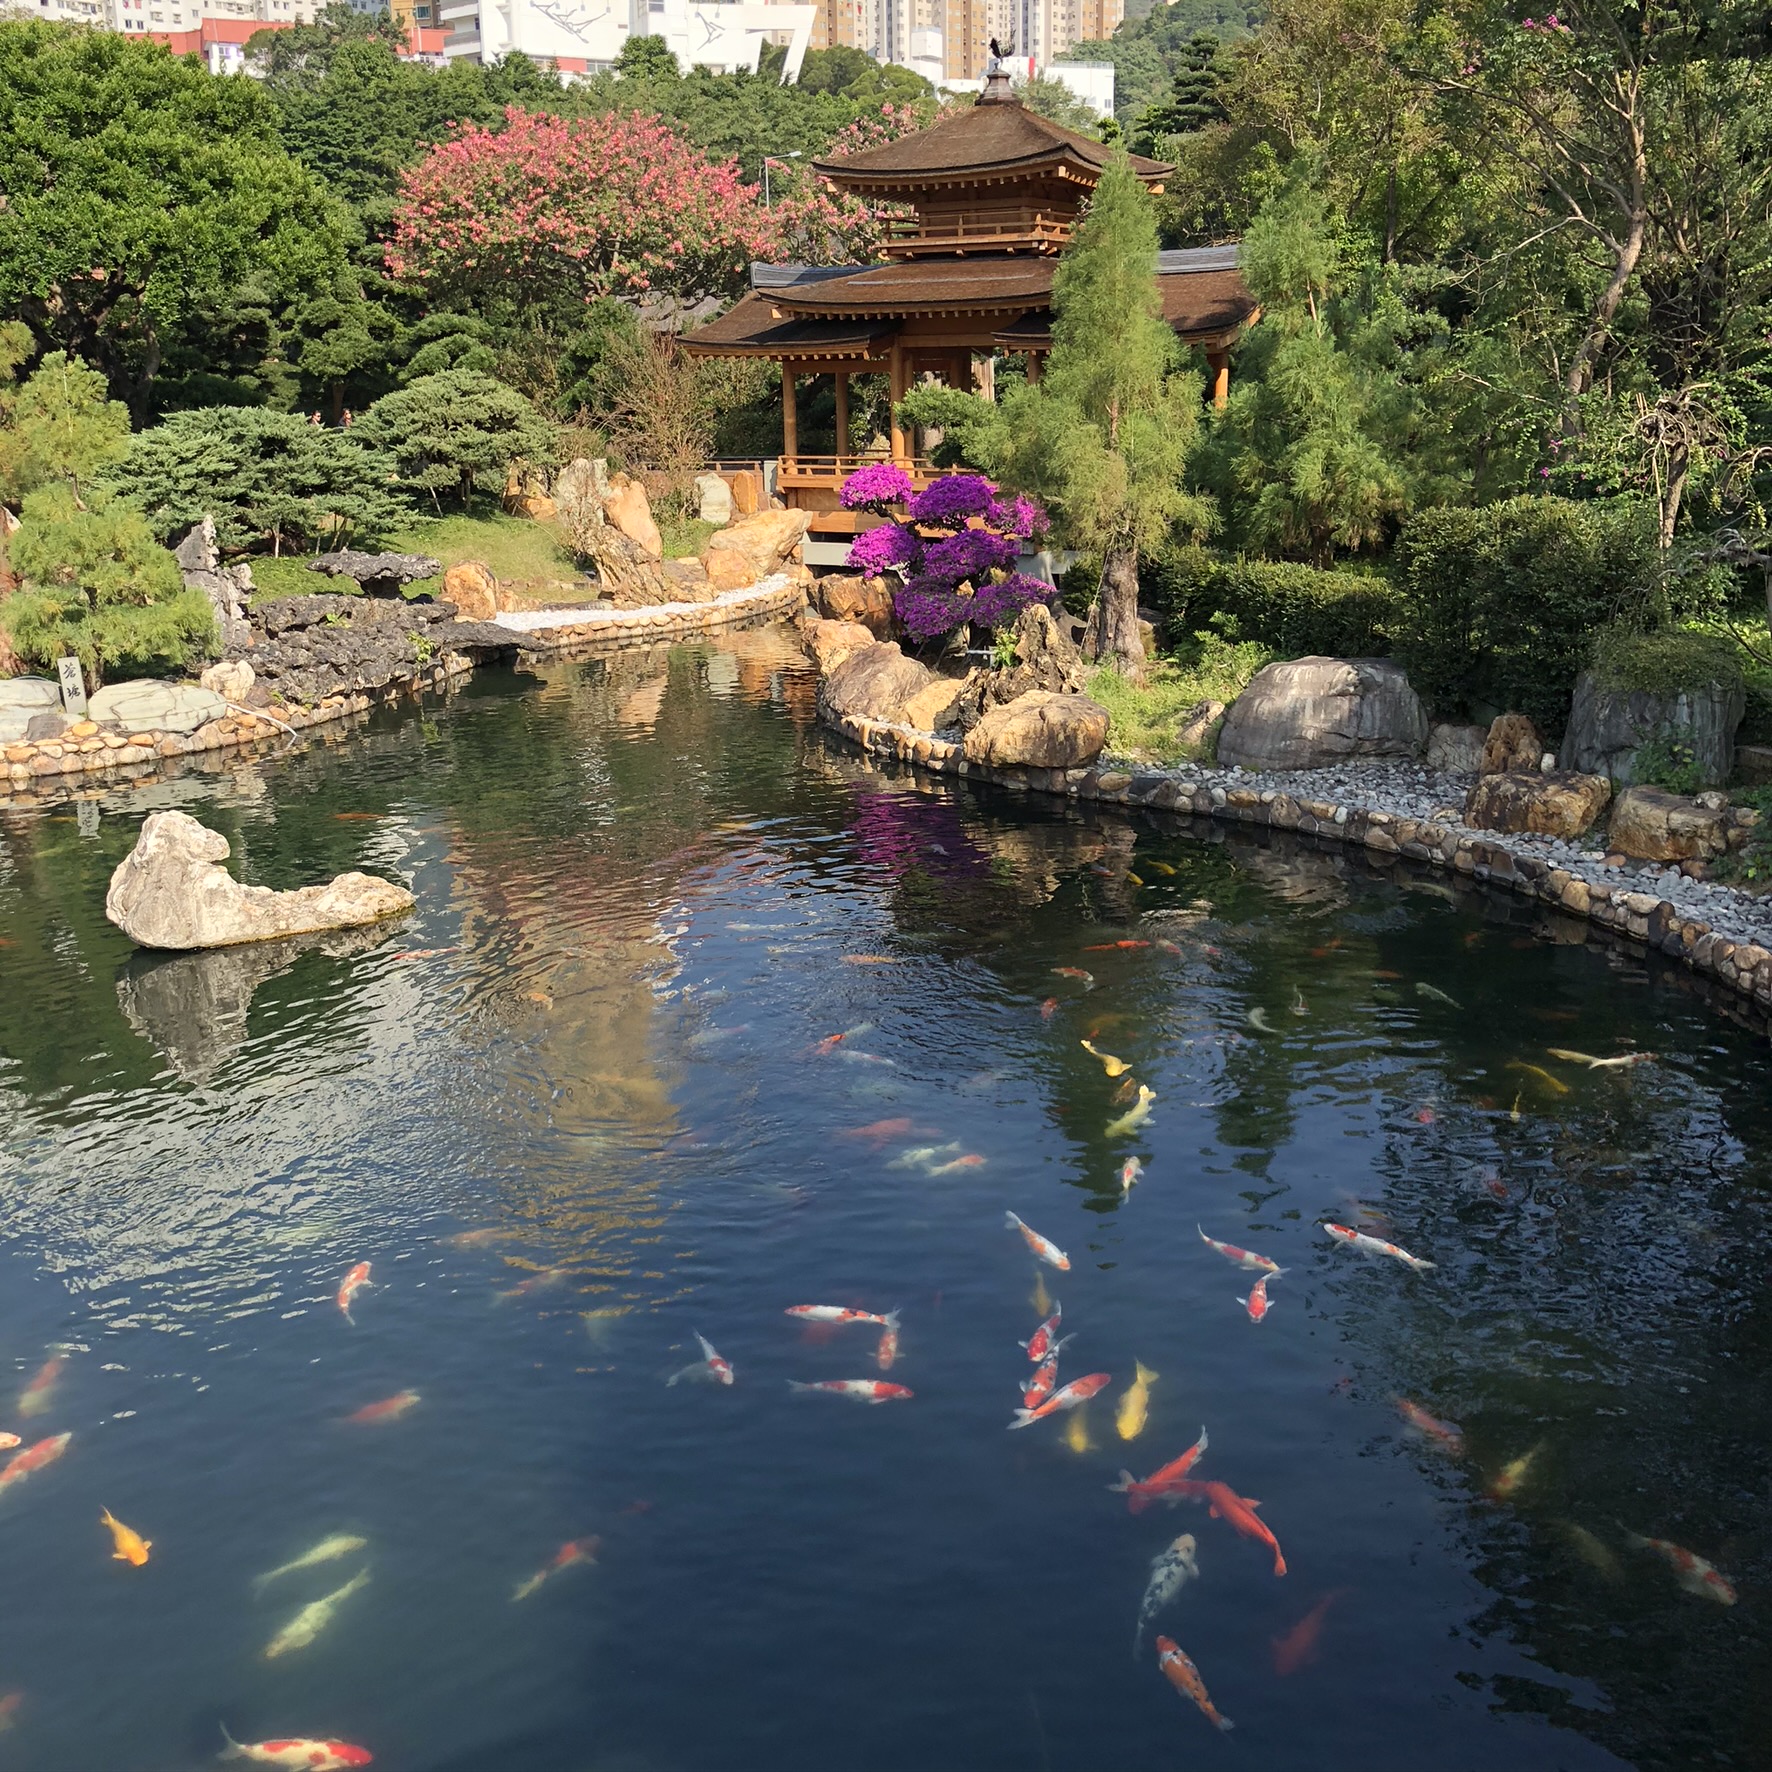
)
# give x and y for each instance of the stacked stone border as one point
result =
(1744, 968)
(33, 768)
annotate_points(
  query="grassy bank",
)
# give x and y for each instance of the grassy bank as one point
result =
(1145, 721)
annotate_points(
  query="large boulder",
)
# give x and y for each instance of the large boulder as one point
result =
(232, 679)
(713, 499)
(1513, 744)
(380, 575)
(1651, 824)
(935, 706)
(144, 705)
(22, 699)
(830, 642)
(1311, 713)
(471, 587)
(170, 891)
(1607, 727)
(228, 588)
(873, 683)
(626, 506)
(843, 597)
(1552, 803)
(1457, 749)
(1039, 730)
(754, 548)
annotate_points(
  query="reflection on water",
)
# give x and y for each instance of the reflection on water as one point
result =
(702, 1017)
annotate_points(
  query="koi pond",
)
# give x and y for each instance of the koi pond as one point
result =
(359, 1282)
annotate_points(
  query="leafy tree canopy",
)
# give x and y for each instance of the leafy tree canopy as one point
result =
(59, 428)
(449, 434)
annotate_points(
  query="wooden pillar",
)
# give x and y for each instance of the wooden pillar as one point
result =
(1033, 368)
(790, 419)
(960, 377)
(895, 382)
(1219, 364)
(841, 378)
(984, 378)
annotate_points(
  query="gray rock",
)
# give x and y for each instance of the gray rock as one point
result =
(1456, 748)
(1039, 731)
(713, 499)
(873, 683)
(228, 588)
(1312, 713)
(1607, 726)
(171, 892)
(50, 725)
(21, 700)
(144, 705)
(380, 575)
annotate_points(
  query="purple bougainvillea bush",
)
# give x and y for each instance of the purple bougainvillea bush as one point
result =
(953, 554)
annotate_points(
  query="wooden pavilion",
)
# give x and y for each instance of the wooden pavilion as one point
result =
(996, 191)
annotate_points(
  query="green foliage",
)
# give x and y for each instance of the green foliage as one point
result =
(1192, 101)
(1054, 100)
(1293, 609)
(592, 358)
(1500, 605)
(59, 428)
(843, 71)
(974, 431)
(1664, 661)
(1666, 762)
(1151, 41)
(455, 432)
(98, 587)
(1144, 719)
(271, 480)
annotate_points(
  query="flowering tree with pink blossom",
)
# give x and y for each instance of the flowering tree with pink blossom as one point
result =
(953, 556)
(816, 223)
(542, 209)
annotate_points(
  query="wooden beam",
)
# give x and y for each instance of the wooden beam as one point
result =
(1219, 363)
(790, 419)
(841, 378)
(896, 379)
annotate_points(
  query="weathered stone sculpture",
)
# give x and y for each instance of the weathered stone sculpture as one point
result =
(380, 575)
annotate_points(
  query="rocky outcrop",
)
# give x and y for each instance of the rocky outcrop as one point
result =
(144, 705)
(830, 642)
(171, 892)
(1456, 749)
(873, 683)
(1039, 730)
(232, 680)
(1650, 824)
(380, 575)
(1196, 731)
(936, 706)
(1310, 713)
(753, 548)
(471, 587)
(844, 597)
(228, 588)
(1512, 744)
(23, 699)
(1552, 803)
(627, 508)
(1608, 726)
(1046, 659)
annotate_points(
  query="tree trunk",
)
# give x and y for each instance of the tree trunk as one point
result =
(1112, 636)
(1679, 466)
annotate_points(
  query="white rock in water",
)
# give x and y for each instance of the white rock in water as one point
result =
(170, 891)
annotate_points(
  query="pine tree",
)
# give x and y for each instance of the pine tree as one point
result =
(1104, 435)
(59, 428)
(1192, 101)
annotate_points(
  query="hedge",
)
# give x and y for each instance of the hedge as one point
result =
(1296, 610)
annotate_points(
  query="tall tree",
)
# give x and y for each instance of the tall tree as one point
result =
(1104, 435)
(1193, 100)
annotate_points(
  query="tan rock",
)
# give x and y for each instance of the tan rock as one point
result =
(843, 597)
(873, 683)
(830, 642)
(1196, 726)
(1558, 804)
(232, 679)
(1513, 744)
(83, 729)
(627, 507)
(688, 581)
(933, 706)
(1039, 730)
(766, 542)
(170, 891)
(472, 588)
(728, 569)
(1654, 825)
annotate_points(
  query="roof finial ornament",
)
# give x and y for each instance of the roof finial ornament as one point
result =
(997, 87)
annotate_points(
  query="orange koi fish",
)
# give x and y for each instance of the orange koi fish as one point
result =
(879, 1132)
(1108, 947)
(537, 1282)
(1079, 1390)
(1041, 1385)
(388, 1409)
(839, 1313)
(1048, 1252)
(1375, 1246)
(1444, 1434)
(9, 1706)
(1185, 1678)
(1237, 1511)
(1156, 1487)
(573, 1552)
(311, 1756)
(132, 1548)
(1255, 1264)
(1298, 1647)
(33, 1459)
(1041, 1345)
(477, 1239)
(358, 817)
(870, 960)
(971, 1160)
(1692, 1572)
(352, 1284)
(1256, 1303)
(862, 1390)
(39, 1392)
(1048, 1009)
(1086, 979)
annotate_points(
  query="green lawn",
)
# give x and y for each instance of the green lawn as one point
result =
(1144, 722)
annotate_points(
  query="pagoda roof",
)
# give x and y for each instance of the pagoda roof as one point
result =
(993, 141)
(966, 285)
(754, 327)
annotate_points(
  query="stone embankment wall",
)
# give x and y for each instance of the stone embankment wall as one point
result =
(1744, 967)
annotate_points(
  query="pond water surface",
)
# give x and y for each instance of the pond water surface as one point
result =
(591, 1100)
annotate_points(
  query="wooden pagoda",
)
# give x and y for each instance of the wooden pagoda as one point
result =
(996, 191)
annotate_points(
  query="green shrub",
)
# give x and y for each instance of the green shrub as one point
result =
(1294, 610)
(1498, 606)
(1666, 661)
(1665, 762)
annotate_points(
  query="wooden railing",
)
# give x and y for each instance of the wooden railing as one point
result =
(833, 470)
(909, 235)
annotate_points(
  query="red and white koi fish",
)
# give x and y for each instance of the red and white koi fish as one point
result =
(1041, 1345)
(1157, 1486)
(1048, 1009)
(1447, 1435)
(1256, 1303)
(32, 1459)
(572, 1552)
(1041, 1385)
(1237, 1511)
(838, 1313)
(1299, 1645)
(491, 1233)
(879, 1131)
(537, 1282)
(388, 1409)
(1255, 1264)
(1185, 1678)
(1366, 1245)
(1079, 1390)
(353, 1283)
(1086, 979)
(8, 1441)
(1692, 1572)
(1131, 1172)
(886, 1353)
(710, 1366)
(1050, 1253)
(312, 1756)
(40, 1391)
(1170, 948)
(862, 1390)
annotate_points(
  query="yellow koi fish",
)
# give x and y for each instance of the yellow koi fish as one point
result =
(132, 1548)
(1135, 1405)
(1555, 1085)
(341, 1544)
(1135, 1116)
(1076, 1434)
(1511, 1475)
(1115, 1067)
(313, 1618)
(1042, 1300)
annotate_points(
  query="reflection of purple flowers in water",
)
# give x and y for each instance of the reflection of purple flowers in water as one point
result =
(876, 487)
(891, 544)
(901, 832)
(947, 503)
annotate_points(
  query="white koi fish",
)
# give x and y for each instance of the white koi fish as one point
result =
(328, 1550)
(1045, 1251)
(1131, 1172)
(1435, 995)
(710, 1368)
(313, 1618)
(1171, 1570)
(1622, 1062)
(1375, 1246)
(1257, 1019)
